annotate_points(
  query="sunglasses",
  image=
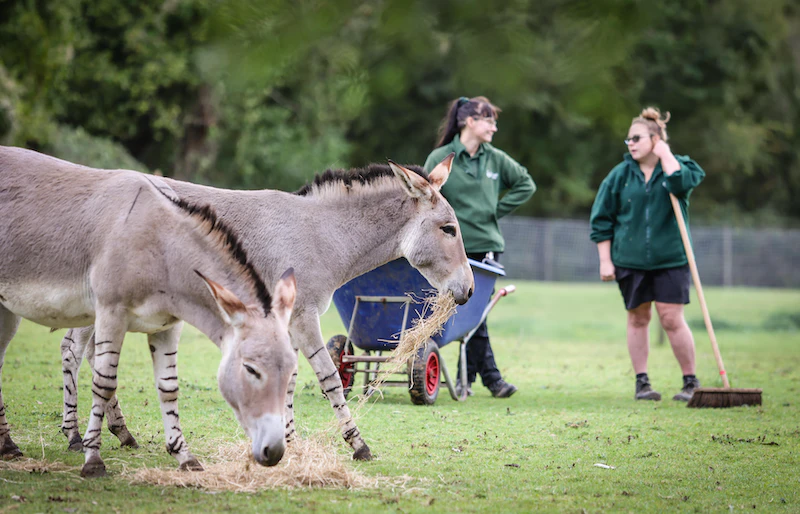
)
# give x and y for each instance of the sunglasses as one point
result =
(634, 139)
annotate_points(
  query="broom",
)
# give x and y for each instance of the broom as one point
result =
(718, 397)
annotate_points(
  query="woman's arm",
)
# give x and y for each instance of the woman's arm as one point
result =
(520, 186)
(607, 269)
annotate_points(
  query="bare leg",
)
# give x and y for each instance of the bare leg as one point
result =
(164, 351)
(110, 332)
(679, 334)
(9, 323)
(639, 336)
(307, 335)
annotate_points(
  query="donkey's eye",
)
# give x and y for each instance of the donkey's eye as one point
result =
(252, 371)
(450, 230)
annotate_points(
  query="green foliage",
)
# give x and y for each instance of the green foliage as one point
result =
(78, 146)
(119, 70)
(265, 94)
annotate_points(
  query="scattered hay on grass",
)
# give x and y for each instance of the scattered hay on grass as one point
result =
(307, 463)
(28, 465)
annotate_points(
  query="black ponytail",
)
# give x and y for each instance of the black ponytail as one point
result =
(457, 113)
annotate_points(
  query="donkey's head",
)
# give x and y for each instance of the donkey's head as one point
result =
(257, 364)
(432, 239)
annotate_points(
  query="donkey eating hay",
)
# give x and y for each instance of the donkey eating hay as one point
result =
(119, 250)
(340, 226)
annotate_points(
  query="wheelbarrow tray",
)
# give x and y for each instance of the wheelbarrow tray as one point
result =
(379, 321)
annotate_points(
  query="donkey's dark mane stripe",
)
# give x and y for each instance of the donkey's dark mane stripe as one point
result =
(232, 243)
(362, 176)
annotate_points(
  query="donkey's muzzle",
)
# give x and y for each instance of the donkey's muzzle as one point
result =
(270, 455)
(269, 442)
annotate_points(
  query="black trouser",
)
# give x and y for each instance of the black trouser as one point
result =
(480, 357)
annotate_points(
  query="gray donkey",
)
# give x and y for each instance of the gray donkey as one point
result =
(120, 250)
(340, 226)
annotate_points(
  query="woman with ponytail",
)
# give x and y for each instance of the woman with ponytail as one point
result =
(480, 174)
(640, 246)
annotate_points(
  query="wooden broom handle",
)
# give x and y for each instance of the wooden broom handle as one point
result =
(698, 287)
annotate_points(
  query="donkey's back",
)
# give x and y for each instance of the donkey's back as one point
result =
(59, 221)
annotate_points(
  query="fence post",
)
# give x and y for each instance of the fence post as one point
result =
(727, 256)
(548, 252)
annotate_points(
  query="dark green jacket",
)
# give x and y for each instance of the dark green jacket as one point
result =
(638, 217)
(474, 188)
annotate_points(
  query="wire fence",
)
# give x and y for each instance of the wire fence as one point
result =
(560, 250)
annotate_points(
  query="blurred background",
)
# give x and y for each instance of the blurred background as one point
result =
(264, 94)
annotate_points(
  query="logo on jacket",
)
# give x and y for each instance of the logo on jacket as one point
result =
(492, 175)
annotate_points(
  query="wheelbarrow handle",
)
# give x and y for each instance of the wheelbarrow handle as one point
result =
(508, 289)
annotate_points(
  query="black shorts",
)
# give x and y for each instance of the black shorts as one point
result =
(669, 285)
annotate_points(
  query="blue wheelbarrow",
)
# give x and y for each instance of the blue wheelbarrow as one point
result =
(379, 306)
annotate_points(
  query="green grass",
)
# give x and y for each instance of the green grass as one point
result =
(562, 344)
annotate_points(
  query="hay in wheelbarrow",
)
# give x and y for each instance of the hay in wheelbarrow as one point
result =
(307, 463)
(441, 307)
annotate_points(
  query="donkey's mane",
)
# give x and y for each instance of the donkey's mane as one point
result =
(230, 241)
(362, 176)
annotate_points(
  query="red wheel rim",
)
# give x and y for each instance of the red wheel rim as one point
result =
(346, 376)
(432, 374)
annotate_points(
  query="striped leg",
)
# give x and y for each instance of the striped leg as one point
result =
(9, 323)
(110, 332)
(313, 347)
(79, 342)
(73, 346)
(164, 351)
(291, 434)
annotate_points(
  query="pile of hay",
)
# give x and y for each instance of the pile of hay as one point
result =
(307, 463)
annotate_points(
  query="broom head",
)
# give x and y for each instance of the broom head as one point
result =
(722, 397)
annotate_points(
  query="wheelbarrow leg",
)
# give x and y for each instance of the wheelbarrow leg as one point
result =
(452, 385)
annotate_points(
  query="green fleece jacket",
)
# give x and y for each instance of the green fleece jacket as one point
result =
(637, 217)
(474, 188)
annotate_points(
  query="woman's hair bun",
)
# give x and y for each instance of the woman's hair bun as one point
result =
(654, 114)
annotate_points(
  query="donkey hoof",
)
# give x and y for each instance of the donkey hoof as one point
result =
(10, 451)
(191, 465)
(125, 437)
(362, 453)
(93, 468)
(76, 445)
(129, 442)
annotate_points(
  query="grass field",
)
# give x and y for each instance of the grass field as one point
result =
(562, 344)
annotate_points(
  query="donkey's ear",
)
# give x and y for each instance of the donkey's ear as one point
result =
(438, 175)
(232, 309)
(284, 296)
(415, 185)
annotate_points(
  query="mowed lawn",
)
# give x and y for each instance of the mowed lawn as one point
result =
(563, 345)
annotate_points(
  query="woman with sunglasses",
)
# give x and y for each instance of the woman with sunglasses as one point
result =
(640, 247)
(480, 173)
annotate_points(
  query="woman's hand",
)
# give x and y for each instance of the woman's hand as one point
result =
(668, 161)
(607, 271)
(661, 149)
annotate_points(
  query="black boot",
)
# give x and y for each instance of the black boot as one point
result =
(690, 383)
(643, 389)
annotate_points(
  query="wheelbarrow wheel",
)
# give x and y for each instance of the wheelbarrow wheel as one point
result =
(424, 375)
(338, 346)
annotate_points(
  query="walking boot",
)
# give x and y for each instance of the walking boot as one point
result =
(502, 389)
(689, 385)
(644, 391)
